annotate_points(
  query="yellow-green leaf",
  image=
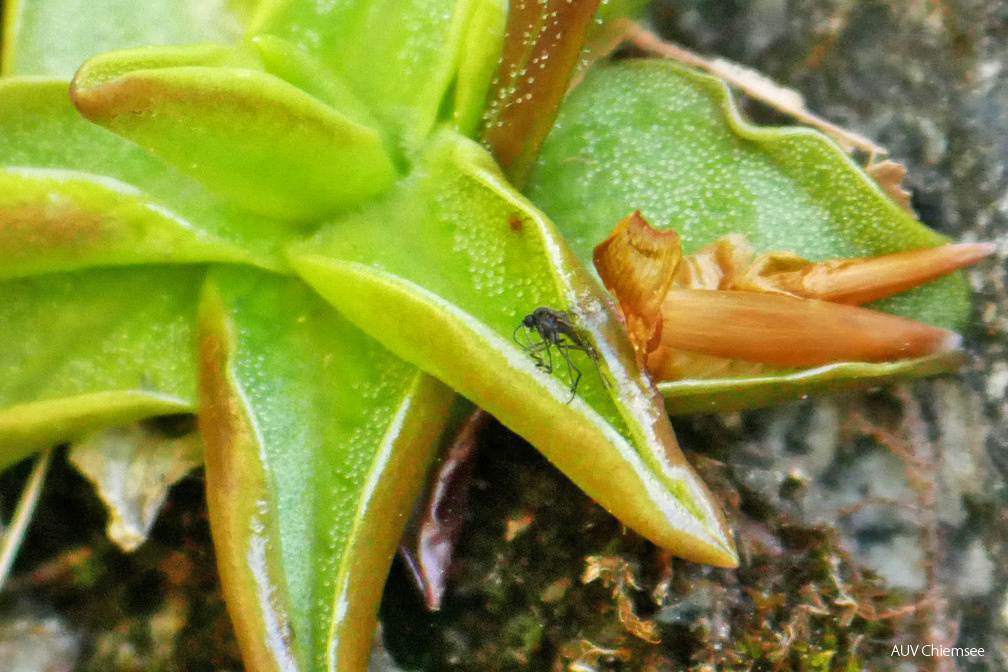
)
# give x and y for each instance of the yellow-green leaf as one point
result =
(317, 440)
(85, 351)
(73, 195)
(245, 134)
(443, 272)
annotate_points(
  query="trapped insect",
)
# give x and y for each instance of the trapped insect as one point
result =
(555, 329)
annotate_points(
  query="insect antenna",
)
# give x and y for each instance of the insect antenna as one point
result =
(514, 336)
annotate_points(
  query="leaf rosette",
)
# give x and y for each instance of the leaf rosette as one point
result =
(274, 216)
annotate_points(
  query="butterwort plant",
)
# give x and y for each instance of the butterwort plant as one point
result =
(317, 228)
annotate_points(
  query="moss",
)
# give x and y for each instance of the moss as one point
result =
(798, 602)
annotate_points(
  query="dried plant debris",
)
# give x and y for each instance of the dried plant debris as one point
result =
(754, 84)
(428, 541)
(158, 607)
(784, 311)
(132, 469)
(889, 174)
(615, 573)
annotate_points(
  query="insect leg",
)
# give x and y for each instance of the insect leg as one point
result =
(535, 351)
(594, 356)
(573, 372)
(588, 349)
(549, 355)
(514, 337)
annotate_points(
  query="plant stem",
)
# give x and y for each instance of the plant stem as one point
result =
(14, 535)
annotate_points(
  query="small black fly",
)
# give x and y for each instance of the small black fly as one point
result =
(555, 329)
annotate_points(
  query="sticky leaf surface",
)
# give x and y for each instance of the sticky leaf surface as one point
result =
(456, 259)
(652, 136)
(247, 135)
(317, 439)
(402, 58)
(86, 351)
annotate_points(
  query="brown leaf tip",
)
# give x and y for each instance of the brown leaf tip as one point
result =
(637, 263)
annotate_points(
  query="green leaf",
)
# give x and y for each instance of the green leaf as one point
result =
(443, 272)
(53, 37)
(74, 195)
(479, 50)
(106, 67)
(732, 394)
(54, 220)
(85, 351)
(247, 135)
(402, 58)
(286, 61)
(317, 439)
(655, 137)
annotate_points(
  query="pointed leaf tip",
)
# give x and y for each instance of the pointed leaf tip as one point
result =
(445, 256)
(317, 439)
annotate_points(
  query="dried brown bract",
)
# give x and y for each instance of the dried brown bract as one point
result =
(727, 311)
